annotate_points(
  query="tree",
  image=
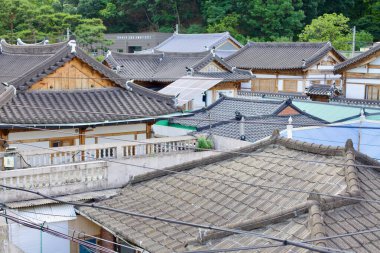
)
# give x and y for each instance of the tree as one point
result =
(326, 28)
(334, 28)
(90, 32)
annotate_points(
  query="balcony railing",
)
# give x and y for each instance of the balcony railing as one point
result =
(118, 150)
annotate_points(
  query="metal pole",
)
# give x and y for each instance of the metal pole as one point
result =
(353, 40)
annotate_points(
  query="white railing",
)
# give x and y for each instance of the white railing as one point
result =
(118, 150)
(54, 180)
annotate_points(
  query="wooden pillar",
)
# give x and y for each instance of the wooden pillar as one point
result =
(82, 141)
(149, 130)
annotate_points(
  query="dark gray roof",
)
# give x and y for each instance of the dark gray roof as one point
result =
(263, 127)
(357, 59)
(168, 67)
(280, 55)
(27, 106)
(225, 108)
(203, 194)
(339, 220)
(272, 95)
(352, 101)
(191, 43)
(322, 90)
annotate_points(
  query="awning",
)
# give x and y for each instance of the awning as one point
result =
(189, 87)
(47, 213)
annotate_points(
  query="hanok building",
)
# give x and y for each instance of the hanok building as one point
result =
(305, 68)
(272, 189)
(223, 43)
(196, 79)
(59, 87)
(361, 75)
(228, 117)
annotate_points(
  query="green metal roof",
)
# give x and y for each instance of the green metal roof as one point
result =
(333, 112)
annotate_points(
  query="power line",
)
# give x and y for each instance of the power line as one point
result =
(189, 119)
(237, 249)
(74, 231)
(179, 222)
(56, 233)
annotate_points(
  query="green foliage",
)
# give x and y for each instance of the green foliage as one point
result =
(261, 20)
(100, 58)
(334, 28)
(203, 143)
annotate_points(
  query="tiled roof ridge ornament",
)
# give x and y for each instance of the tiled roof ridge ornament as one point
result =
(289, 128)
(275, 134)
(213, 52)
(189, 71)
(349, 145)
(303, 62)
(72, 44)
(109, 53)
(362, 115)
(127, 86)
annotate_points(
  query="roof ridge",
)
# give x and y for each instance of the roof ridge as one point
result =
(31, 49)
(200, 162)
(346, 64)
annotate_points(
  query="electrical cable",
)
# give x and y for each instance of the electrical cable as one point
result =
(179, 222)
(191, 119)
(81, 233)
(56, 233)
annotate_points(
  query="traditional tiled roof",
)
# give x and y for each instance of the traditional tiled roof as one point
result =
(357, 59)
(225, 108)
(168, 67)
(263, 127)
(205, 194)
(280, 55)
(191, 43)
(358, 102)
(25, 107)
(272, 95)
(322, 90)
(323, 219)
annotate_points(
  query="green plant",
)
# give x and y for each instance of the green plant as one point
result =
(203, 144)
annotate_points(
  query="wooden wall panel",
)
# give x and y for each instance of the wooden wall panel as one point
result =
(74, 74)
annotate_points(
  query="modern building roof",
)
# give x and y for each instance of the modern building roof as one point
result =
(241, 192)
(354, 61)
(192, 43)
(168, 67)
(334, 112)
(225, 108)
(281, 55)
(27, 64)
(363, 133)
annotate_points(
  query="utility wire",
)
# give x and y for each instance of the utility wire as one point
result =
(179, 222)
(188, 119)
(242, 182)
(56, 233)
(74, 231)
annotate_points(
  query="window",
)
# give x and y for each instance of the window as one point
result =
(61, 143)
(264, 85)
(290, 85)
(373, 92)
(132, 49)
(84, 249)
(120, 50)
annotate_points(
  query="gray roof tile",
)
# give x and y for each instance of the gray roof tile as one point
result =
(222, 207)
(280, 55)
(30, 63)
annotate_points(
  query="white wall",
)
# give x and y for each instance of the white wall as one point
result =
(355, 91)
(168, 131)
(300, 86)
(28, 239)
(280, 85)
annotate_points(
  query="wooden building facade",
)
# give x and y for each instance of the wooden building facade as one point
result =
(289, 67)
(361, 75)
(56, 95)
